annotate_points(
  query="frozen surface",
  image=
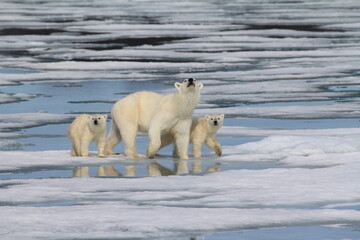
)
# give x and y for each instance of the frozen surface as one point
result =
(285, 74)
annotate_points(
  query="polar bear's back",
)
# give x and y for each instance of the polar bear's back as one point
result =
(139, 107)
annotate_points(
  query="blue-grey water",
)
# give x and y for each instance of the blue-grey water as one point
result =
(70, 58)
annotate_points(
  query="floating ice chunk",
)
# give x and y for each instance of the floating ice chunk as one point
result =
(10, 145)
(337, 110)
(236, 131)
(9, 98)
(306, 150)
(25, 120)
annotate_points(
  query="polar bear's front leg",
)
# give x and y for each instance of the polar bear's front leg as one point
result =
(154, 140)
(182, 138)
(182, 146)
(101, 147)
(214, 145)
(196, 149)
(84, 152)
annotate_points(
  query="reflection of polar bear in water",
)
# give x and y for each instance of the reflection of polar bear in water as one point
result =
(203, 131)
(156, 114)
(85, 129)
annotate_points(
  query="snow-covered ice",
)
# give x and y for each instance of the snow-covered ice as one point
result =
(285, 74)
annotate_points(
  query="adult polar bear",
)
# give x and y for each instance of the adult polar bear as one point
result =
(156, 114)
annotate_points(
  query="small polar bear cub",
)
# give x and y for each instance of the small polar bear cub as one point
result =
(203, 130)
(85, 129)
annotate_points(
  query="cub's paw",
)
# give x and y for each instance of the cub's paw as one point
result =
(218, 151)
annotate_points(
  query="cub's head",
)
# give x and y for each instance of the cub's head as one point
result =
(215, 120)
(97, 120)
(188, 85)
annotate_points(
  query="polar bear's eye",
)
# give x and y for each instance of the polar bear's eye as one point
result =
(185, 80)
(218, 118)
(99, 118)
(212, 119)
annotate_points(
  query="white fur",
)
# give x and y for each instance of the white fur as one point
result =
(156, 114)
(203, 131)
(83, 130)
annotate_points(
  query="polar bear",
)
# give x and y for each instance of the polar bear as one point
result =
(155, 114)
(203, 130)
(85, 129)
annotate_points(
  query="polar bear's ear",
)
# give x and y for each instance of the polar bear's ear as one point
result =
(177, 85)
(207, 117)
(201, 85)
(104, 116)
(222, 116)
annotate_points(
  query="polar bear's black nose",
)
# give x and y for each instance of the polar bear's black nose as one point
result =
(95, 122)
(215, 122)
(191, 82)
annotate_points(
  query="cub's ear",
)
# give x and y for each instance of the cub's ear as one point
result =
(222, 116)
(90, 117)
(177, 85)
(201, 85)
(207, 117)
(104, 116)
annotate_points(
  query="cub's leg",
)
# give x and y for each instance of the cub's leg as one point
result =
(84, 151)
(73, 151)
(196, 149)
(76, 149)
(214, 145)
(101, 147)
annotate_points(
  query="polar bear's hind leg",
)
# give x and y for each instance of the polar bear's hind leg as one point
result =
(112, 139)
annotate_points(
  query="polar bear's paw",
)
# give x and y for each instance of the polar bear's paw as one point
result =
(151, 155)
(152, 151)
(111, 153)
(218, 151)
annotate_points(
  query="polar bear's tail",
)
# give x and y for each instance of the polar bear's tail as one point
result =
(112, 139)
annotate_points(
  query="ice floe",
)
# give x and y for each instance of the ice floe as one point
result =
(26, 120)
(293, 60)
(143, 207)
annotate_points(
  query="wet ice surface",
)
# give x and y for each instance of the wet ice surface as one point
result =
(285, 74)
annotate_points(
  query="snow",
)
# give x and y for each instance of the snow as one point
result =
(26, 120)
(127, 221)
(331, 110)
(145, 207)
(293, 62)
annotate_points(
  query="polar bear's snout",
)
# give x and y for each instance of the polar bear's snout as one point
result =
(191, 82)
(96, 122)
(215, 123)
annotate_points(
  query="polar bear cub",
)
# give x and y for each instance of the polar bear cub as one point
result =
(155, 114)
(85, 129)
(204, 130)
